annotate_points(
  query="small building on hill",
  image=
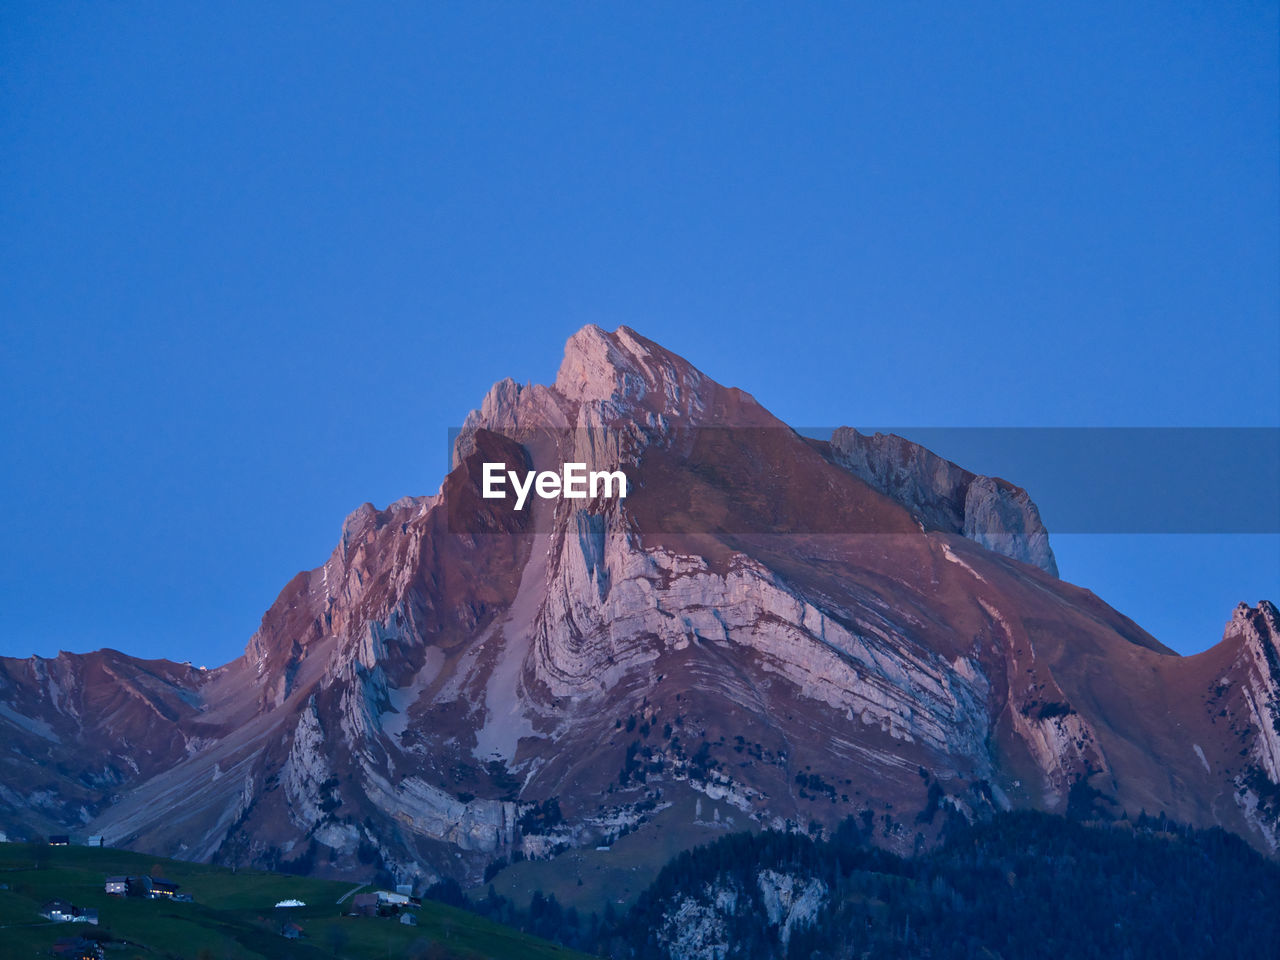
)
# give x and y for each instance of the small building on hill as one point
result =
(85, 915)
(96, 840)
(59, 911)
(364, 905)
(408, 919)
(162, 889)
(116, 886)
(76, 948)
(59, 840)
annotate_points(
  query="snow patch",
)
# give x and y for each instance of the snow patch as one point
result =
(1200, 754)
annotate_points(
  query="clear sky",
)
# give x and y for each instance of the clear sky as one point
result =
(256, 259)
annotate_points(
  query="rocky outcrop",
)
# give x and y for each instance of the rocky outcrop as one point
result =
(696, 926)
(1256, 631)
(790, 901)
(987, 510)
(1253, 682)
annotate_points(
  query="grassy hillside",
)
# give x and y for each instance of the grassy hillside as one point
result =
(233, 915)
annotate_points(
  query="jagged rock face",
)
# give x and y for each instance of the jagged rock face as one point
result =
(79, 729)
(1256, 632)
(990, 511)
(698, 926)
(794, 631)
(1250, 695)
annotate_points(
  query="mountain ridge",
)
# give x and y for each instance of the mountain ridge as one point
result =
(725, 635)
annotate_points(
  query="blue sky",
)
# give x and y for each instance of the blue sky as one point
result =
(254, 262)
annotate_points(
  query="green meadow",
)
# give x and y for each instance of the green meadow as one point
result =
(233, 915)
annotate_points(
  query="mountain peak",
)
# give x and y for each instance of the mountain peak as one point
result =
(789, 630)
(618, 367)
(607, 378)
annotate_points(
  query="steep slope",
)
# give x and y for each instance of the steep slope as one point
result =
(768, 630)
(80, 729)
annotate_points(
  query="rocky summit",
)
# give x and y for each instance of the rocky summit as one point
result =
(768, 630)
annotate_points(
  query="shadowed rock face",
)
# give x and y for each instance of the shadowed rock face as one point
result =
(767, 630)
(946, 497)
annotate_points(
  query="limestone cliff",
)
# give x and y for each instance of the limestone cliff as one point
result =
(790, 631)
